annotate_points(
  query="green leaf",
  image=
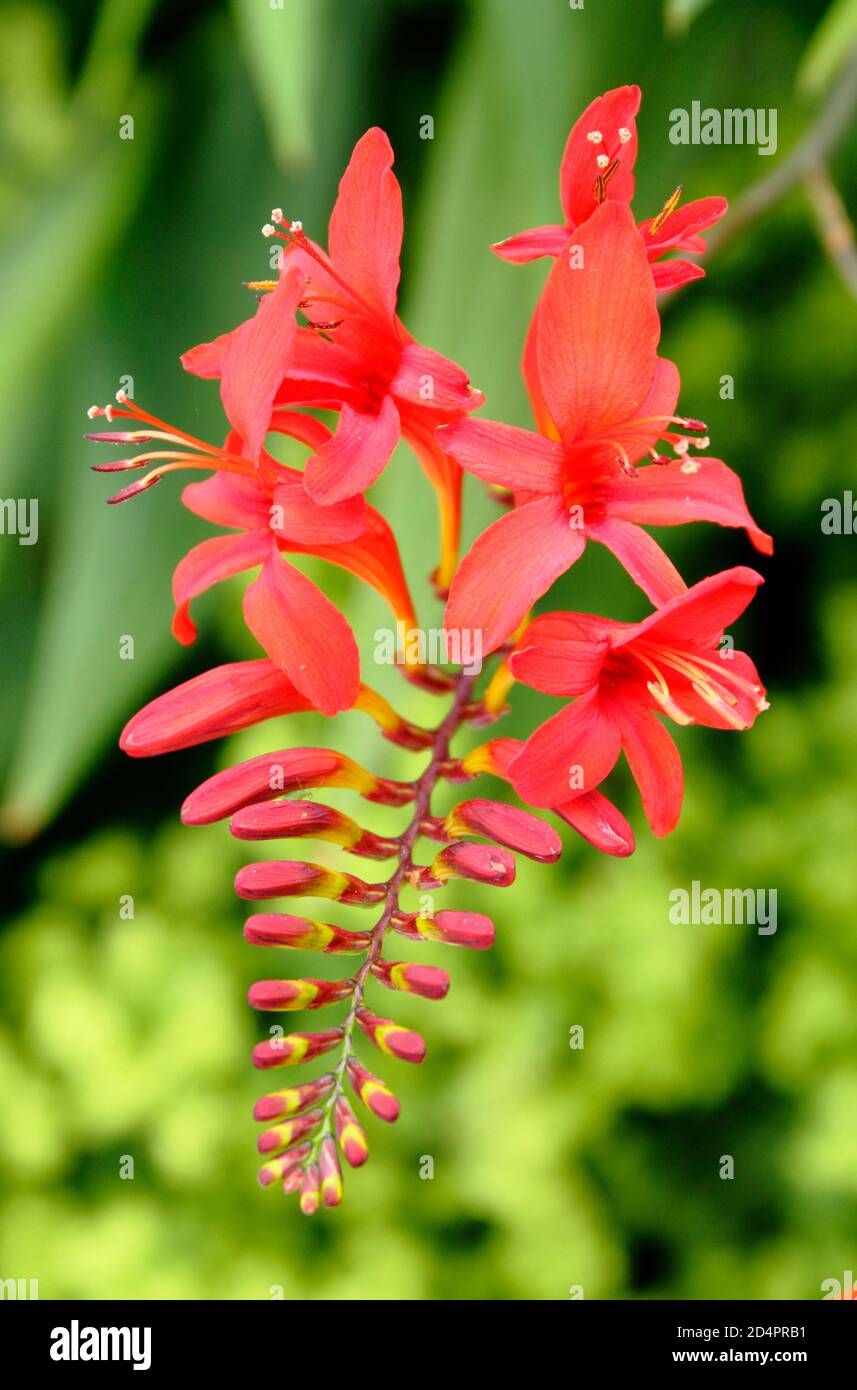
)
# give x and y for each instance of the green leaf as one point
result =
(281, 43)
(828, 48)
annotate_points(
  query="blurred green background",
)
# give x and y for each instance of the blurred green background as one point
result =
(553, 1168)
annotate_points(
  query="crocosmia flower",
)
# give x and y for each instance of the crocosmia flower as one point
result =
(623, 676)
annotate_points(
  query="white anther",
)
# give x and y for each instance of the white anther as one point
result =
(296, 227)
(268, 230)
(121, 395)
(681, 446)
(595, 136)
(602, 161)
(703, 443)
(277, 215)
(624, 134)
(108, 414)
(93, 412)
(691, 466)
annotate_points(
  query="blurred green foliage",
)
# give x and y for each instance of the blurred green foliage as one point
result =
(553, 1167)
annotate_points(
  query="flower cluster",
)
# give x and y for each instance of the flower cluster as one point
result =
(326, 361)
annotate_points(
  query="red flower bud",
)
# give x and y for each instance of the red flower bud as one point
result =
(283, 1166)
(373, 1092)
(275, 995)
(284, 878)
(294, 1048)
(330, 1170)
(426, 980)
(505, 825)
(483, 863)
(455, 928)
(303, 934)
(391, 1037)
(280, 1104)
(310, 1186)
(282, 1136)
(275, 820)
(350, 1134)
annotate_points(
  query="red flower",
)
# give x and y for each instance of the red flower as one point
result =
(302, 632)
(622, 673)
(606, 399)
(598, 166)
(357, 357)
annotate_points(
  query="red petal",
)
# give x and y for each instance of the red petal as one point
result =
(596, 818)
(671, 275)
(579, 170)
(512, 564)
(256, 359)
(304, 634)
(515, 458)
(374, 558)
(305, 521)
(357, 454)
(421, 370)
(210, 706)
(230, 500)
(206, 359)
(648, 565)
(529, 246)
(208, 563)
(558, 667)
(572, 751)
(700, 614)
(665, 495)
(365, 233)
(598, 329)
(681, 228)
(654, 761)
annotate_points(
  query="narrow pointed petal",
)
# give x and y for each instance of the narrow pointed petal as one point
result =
(697, 489)
(648, 565)
(208, 563)
(512, 564)
(681, 229)
(428, 380)
(700, 614)
(356, 455)
(374, 558)
(256, 358)
(608, 115)
(228, 499)
(295, 516)
(365, 232)
(671, 275)
(654, 762)
(568, 666)
(572, 751)
(598, 329)
(529, 246)
(503, 454)
(304, 634)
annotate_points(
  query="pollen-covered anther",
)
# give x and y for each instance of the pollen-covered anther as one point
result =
(624, 134)
(691, 466)
(277, 215)
(602, 161)
(428, 981)
(594, 136)
(268, 230)
(280, 995)
(391, 1038)
(296, 227)
(350, 1134)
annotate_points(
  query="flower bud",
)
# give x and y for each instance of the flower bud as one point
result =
(283, 1165)
(303, 934)
(505, 825)
(426, 980)
(279, 1105)
(455, 928)
(281, 1136)
(275, 820)
(330, 1170)
(350, 1134)
(310, 1187)
(391, 1038)
(285, 878)
(373, 1092)
(294, 1048)
(274, 995)
(398, 730)
(483, 863)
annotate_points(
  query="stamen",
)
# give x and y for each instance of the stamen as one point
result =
(624, 134)
(277, 215)
(669, 206)
(723, 709)
(595, 136)
(268, 230)
(691, 466)
(668, 705)
(602, 161)
(602, 181)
